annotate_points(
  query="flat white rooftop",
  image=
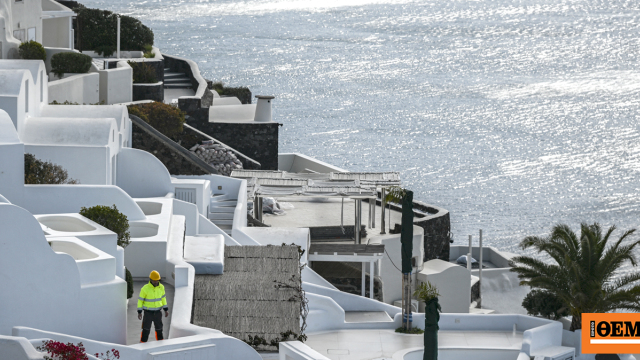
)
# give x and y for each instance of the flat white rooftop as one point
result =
(311, 212)
(382, 344)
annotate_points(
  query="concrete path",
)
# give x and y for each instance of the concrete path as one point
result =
(134, 326)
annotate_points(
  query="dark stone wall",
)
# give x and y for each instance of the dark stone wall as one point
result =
(437, 229)
(191, 137)
(347, 277)
(175, 162)
(258, 141)
(153, 92)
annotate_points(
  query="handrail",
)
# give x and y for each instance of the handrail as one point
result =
(176, 147)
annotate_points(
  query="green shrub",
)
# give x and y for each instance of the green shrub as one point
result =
(129, 280)
(242, 93)
(32, 50)
(97, 31)
(137, 111)
(43, 172)
(148, 52)
(143, 73)
(110, 218)
(70, 62)
(163, 117)
(542, 303)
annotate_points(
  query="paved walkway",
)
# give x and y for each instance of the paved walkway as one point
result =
(134, 326)
(382, 344)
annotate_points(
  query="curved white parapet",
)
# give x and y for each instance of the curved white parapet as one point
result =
(18, 348)
(95, 266)
(351, 302)
(58, 199)
(142, 175)
(76, 287)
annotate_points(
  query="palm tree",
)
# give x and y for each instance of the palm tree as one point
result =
(584, 269)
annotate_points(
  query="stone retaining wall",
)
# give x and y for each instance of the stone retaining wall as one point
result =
(437, 229)
(153, 92)
(259, 141)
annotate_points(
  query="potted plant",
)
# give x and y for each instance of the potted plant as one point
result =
(429, 294)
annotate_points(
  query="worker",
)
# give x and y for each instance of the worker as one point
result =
(152, 300)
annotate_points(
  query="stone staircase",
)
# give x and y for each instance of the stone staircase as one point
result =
(175, 80)
(221, 209)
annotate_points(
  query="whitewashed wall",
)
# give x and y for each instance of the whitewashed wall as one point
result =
(9, 43)
(81, 89)
(392, 260)
(116, 85)
(27, 14)
(11, 160)
(56, 32)
(25, 290)
(453, 283)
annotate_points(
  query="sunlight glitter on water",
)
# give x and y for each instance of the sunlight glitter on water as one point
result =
(512, 115)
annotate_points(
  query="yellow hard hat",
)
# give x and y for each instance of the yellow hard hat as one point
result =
(154, 275)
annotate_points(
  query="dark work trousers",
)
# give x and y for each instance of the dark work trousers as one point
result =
(147, 319)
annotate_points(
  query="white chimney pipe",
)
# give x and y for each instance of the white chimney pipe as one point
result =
(263, 108)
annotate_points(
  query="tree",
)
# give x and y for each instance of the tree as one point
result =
(43, 172)
(582, 272)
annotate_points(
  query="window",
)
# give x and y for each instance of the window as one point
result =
(20, 35)
(31, 34)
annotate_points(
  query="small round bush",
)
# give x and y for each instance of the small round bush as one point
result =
(143, 73)
(542, 303)
(110, 218)
(32, 50)
(70, 62)
(129, 280)
(163, 117)
(43, 172)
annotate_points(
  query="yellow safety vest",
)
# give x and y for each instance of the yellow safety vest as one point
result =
(152, 298)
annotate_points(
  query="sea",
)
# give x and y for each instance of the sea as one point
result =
(513, 115)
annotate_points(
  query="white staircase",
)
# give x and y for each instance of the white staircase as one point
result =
(175, 80)
(221, 210)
